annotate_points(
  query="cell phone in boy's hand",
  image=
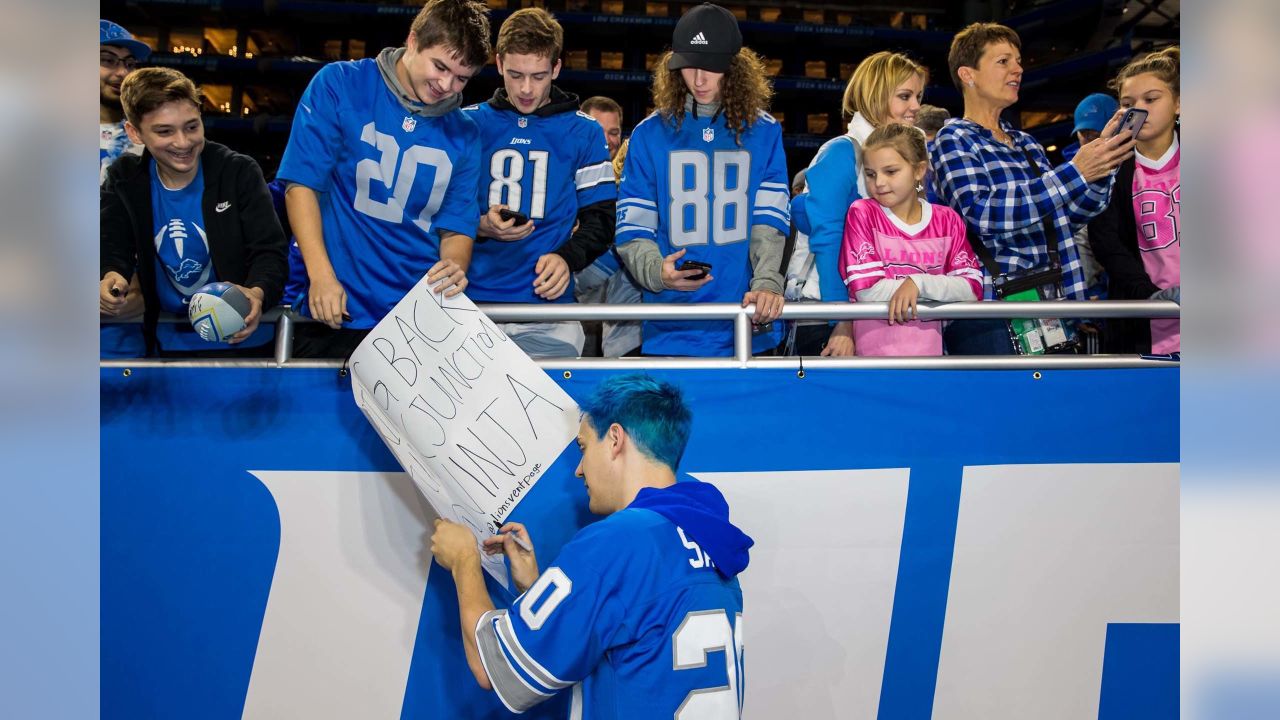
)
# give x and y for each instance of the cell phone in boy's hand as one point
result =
(519, 217)
(696, 265)
(1131, 122)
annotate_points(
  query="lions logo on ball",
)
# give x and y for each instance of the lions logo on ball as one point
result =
(217, 311)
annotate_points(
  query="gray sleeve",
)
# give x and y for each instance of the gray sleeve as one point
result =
(765, 251)
(644, 260)
(514, 692)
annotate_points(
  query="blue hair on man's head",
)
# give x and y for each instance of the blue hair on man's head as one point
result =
(651, 411)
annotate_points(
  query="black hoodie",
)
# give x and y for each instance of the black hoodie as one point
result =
(596, 222)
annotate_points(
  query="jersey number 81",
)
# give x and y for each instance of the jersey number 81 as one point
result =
(506, 167)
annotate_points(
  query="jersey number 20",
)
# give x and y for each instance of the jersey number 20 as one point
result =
(701, 633)
(722, 219)
(394, 208)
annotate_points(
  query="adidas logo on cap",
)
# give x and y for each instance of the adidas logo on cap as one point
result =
(699, 39)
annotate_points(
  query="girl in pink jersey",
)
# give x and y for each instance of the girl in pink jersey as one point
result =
(900, 249)
(1138, 237)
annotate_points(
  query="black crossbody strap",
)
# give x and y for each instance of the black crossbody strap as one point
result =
(984, 253)
(1050, 237)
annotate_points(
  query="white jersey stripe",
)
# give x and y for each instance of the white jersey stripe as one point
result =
(637, 201)
(512, 689)
(859, 276)
(535, 670)
(593, 175)
(637, 216)
(773, 199)
(770, 212)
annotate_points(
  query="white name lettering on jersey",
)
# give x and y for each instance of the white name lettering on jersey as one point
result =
(700, 558)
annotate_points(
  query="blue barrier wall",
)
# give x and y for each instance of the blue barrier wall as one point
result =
(191, 531)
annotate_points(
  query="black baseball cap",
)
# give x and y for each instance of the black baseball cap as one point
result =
(707, 37)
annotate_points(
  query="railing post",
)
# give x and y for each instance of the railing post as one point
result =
(742, 334)
(284, 338)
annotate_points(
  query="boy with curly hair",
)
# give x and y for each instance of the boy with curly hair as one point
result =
(706, 181)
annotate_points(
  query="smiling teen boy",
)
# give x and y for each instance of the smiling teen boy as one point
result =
(381, 172)
(184, 213)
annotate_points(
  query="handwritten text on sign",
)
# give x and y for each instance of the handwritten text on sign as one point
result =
(469, 416)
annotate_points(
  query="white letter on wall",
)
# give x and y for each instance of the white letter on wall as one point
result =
(337, 636)
(1046, 556)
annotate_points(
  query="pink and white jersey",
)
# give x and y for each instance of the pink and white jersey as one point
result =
(1157, 209)
(879, 246)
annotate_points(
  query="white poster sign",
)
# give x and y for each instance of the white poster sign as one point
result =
(473, 421)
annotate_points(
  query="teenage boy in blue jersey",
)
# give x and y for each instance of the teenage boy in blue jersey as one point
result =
(641, 613)
(706, 180)
(549, 162)
(381, 170)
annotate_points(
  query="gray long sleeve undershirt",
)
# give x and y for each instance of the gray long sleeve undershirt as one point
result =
(644, 260)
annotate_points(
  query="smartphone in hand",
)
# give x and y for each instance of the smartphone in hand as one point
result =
(519, 217)
(695, 265)
(1132, 122)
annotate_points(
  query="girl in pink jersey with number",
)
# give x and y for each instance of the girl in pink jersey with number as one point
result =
(1138, 237)
(900, 249)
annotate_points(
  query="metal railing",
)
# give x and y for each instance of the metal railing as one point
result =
(286, 321)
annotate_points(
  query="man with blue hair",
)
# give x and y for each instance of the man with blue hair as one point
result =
(641, 613)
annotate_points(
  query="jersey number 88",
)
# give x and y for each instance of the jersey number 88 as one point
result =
(708, 213)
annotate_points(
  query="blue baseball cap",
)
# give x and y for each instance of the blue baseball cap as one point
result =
(1094, 111)
(110, 33)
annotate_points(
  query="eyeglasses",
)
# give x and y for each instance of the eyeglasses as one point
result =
(112, 62)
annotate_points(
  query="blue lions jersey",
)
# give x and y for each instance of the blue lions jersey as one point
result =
(633, 610)
(389, 182)
(546, 167)
(694, 188)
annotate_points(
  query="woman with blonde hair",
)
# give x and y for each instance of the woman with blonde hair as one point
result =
(885, 88)
(704, 203)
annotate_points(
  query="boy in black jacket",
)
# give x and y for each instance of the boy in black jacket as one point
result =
(186, 212)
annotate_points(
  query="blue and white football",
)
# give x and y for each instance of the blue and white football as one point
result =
(218, 310)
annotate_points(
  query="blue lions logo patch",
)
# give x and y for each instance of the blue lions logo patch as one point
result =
(188, 268)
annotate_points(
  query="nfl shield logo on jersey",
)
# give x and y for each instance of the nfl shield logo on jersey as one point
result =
(522, 122)
(409, 124)
(708, 134)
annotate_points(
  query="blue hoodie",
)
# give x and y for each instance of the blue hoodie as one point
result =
(702, 512)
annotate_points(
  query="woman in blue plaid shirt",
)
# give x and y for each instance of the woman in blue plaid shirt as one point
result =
(1000, 180)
